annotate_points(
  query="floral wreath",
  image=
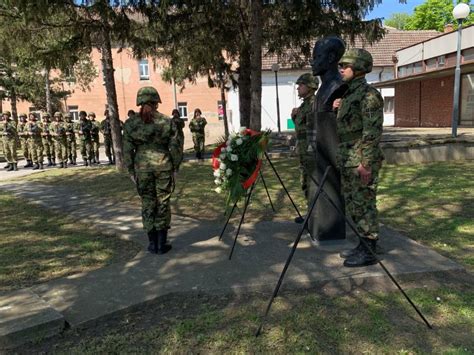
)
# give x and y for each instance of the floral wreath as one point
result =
(237, 161)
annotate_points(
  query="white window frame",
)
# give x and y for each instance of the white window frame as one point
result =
(144, 69)
(183, 109)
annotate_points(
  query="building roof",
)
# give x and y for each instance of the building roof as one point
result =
(382, 51)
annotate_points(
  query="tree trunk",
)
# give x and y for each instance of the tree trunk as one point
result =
(48, 93)
(13, 104)
(244, 86)
(108, 67)
(224, 108)
(256, 64)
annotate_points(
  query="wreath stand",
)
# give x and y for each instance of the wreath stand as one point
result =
(247, 202)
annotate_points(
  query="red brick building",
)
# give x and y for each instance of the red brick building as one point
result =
(424, 84)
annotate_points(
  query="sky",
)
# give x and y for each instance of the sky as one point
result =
(387, 7)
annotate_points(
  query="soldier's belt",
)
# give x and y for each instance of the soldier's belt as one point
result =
(351, 136)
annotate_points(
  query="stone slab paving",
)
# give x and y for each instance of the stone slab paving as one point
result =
(24, 316)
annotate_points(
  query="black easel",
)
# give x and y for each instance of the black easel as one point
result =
(247, 202)
(319, 192)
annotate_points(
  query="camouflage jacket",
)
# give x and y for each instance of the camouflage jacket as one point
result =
(95, 129)
(300, 120)
(9, 130)
(69, 126)
(197, 126)
(58, 131)
(151, 147)
(46, 129)
(35, 130)
(359, 125)
(22, 129)
(106, 128)
(83, 130)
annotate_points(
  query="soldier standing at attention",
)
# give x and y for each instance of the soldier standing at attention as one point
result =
(106, 130)
(307, 86)
(35, 141)
(152, 156)
(70, 138)
(196, 126)
(24, 136)
(10, 137)
(47, 139)
(85, 143)
(176, 118)
(359, 127)
(60, 140)
(95, 129)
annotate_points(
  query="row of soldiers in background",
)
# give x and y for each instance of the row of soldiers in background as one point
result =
(58, 140)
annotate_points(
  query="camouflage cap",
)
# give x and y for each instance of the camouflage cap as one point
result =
(360, 59)
(91, 114)
(7, 113)
(22, 115)
(309, 80)
(46, 115)
(148, 94)
(58, 114)
(83, 113)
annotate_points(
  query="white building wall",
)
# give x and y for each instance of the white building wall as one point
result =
(289, 98)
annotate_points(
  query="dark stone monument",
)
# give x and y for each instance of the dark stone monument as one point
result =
(325, 222)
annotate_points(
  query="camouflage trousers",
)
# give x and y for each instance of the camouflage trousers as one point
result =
(155, 189)
(36, 150)
(10, 147)
(109, 147)
(303, 155)
(48, 148)
(25, 148)
(198, 140)
(95, 148)
(85, 147)
(360, 200)
(71, 148)
(60, 146)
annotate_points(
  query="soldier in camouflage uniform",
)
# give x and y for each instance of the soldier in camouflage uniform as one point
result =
(359, 126)
(106, 130)
(2, 148)
(60, 139)
(47, 139)
(179, 122)
(24, 136)
(71, 145)
(10, 138)
(307, 86)
(196, 126)
(83, 130)
(35, 141)
(95, 140)
(152, 156)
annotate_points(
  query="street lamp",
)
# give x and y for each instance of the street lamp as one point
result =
(460, 12)
(276, 68)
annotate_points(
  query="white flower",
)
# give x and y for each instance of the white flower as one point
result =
(242, 129)
(228, 172)
(217, 173)
(218, 190)
(234, 157)
(217, 181)
(239, 141)
(223, 150)
(222, 156)
(229, 149)
(233, 135)
(222, 166)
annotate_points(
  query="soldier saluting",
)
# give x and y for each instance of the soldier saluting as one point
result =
(359, 127)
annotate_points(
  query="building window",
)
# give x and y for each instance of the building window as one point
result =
(468, 54)
(431, 64)
(417, 67)
(183, 109)
(143, 69)
(467, 100)
(388, 103)
(441, 61)
(402, 71)
(74, 111)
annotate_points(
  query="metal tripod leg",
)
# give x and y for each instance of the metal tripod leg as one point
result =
(228, 219)
(268, 194)
(293, 249)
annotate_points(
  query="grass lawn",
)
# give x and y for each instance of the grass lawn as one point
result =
(38, 245)
(432, 203)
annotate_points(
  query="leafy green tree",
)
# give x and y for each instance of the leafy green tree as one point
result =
(397, 20)
(434, 15)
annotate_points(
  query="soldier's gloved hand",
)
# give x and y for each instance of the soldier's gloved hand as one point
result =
(365, 174)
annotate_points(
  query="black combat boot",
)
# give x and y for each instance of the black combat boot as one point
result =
(29, 164)
(65, 164)
(10, 167)
(351, 252)
(74, 161)
(50, 163)
(111, 162)
(163, 246)
(41, 165)
(36, 167)
(71, 161)
(364, 257)
(152, 241)
(54, 161)
(61, 165)
(7, 166)
(15, 167)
